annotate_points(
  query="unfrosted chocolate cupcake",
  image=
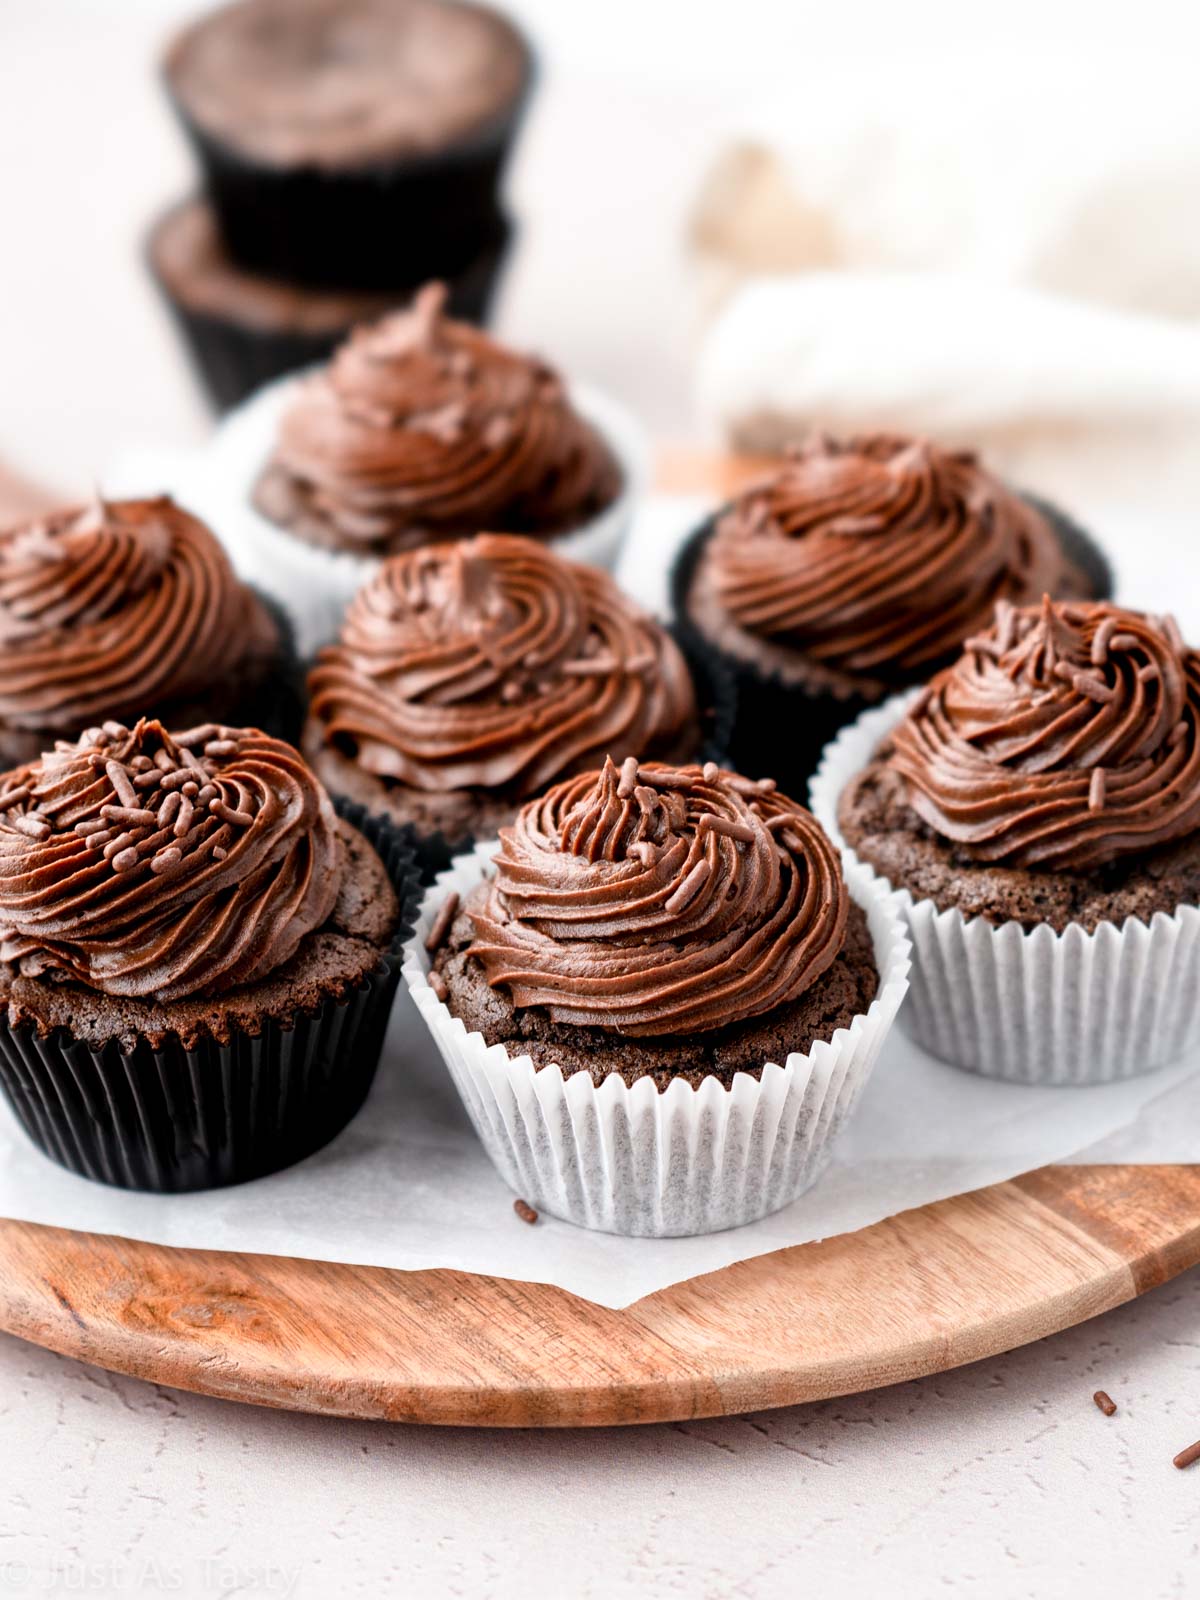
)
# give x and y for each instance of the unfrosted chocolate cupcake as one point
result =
(470, 675)
(242, 329)
(1038, 809)
(352, 144)
(197, 955)
(1050, 776)
(856, 570)
(122, 606)
(422, 428)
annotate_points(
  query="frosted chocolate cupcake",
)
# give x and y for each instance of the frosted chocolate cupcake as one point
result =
(858, 569)
(197, 955)
(422, 428)
(242, 329)
(352, 144)
(682, 982)
(131, 605)
(1039, 804)
(468, 676)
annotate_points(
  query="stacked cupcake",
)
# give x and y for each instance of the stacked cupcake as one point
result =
(351, 149)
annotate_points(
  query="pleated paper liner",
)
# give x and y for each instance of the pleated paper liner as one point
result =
(716, 695)
(628, 1159)
(1033, 1007)
(171, 1119)
(782, 728)
(367, 225)
(234, 354)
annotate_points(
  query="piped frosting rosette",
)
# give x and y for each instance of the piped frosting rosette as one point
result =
(875, 557)
(149, 864)
(420, 429)
(114, 607)
(1065, 739)
(492, 663)
(658, 901)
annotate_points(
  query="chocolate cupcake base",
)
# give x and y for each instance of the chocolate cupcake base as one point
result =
(163, 1113)
(782, 727)
(242, 330)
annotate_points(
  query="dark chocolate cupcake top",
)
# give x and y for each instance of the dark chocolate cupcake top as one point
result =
(493, 663)
(117, 606)
(1066, 736)
(336, 83)
(143, 863)
(875, 557)
(423, 428)
(654, 900)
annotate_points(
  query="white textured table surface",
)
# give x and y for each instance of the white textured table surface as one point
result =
(1001, 1479)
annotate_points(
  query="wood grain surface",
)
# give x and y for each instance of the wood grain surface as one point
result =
(919, 1293)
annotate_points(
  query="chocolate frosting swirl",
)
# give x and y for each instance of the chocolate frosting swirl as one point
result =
(654, 900)
(879, 555)
(149, 864)
(1065, 737)
(423, 428)
(114, 607)
(493, 662)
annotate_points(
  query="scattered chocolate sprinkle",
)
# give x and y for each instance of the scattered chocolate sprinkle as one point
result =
(629, 778)
(1096, 789)
(120, 781)
(711, 771)
(1094, 688)
(183, 822)
(14, 797)
(689, 888)
(729, 826)
(219, 852)
(447, 912)
(1106, 1403)
(589, 666)
(1123, 641)
(438, 984)
(134, 815)
(237, 819)
(125, 860)
(90, 825)
(121, 842)
(166, 859)
(1102, 639)
(527, 1214)
(221, 747)
(1185, 1458)
(202, 732)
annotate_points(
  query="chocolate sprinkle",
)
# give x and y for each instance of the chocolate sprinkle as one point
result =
(527, 1214)
(1106, 1403)
(1187, 1457)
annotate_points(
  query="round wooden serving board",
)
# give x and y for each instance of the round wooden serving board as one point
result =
(921, 1292)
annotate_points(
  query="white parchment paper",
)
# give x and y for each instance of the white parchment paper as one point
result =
(408, 1185)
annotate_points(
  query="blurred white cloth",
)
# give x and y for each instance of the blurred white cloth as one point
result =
(992, 263)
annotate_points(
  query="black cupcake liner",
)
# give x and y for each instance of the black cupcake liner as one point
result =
(371, 226)
(716, 696)
(781, 729)
(171, 1120)
(234, 358)
(276, 701)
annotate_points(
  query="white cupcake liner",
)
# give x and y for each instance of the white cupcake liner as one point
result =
(631, 1160)
(315, 585)
(1033, 1007)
